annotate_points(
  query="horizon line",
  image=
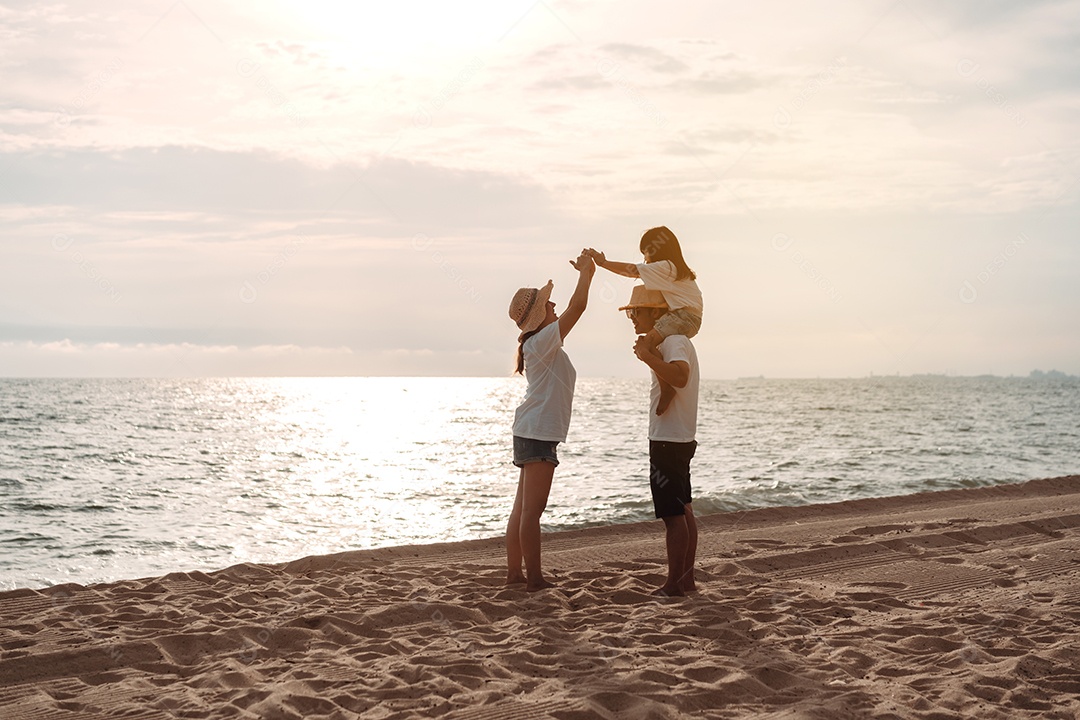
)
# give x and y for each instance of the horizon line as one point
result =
(1032, 375)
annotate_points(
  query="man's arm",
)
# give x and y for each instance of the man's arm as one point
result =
(676, 373)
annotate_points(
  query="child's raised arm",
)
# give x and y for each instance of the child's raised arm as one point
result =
(619, 268)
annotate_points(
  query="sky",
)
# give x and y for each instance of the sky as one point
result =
(307, 187)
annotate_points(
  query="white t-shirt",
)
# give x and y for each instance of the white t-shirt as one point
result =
(679, 421)
(660, 275)
(544, 414)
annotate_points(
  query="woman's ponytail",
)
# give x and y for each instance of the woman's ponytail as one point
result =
(521, 350)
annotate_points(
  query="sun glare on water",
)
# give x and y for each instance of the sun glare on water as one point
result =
(367, 460)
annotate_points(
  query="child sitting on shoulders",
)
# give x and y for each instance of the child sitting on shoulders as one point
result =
(665, 270)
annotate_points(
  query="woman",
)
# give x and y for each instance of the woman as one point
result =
(543, 418)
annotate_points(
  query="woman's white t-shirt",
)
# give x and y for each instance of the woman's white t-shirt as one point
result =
(660, 275)
(544, 414)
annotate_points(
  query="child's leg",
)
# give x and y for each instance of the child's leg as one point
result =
(667, 392)
(686, 323)
(653, 339)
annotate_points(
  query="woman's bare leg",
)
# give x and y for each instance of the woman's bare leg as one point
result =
(535, 487)
(513, 538)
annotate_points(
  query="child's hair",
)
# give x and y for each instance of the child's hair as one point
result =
(663, 245)
(521, 349)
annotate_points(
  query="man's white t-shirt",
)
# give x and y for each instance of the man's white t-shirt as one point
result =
(544, 414)
(679, 421)
(660, 275)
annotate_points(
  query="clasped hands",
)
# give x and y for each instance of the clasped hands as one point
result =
(584, 262)
(643, 350)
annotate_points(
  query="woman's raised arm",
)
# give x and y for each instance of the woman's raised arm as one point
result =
(580, 299)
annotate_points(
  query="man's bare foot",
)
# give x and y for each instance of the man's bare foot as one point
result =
(514, 578)
(667, 591)
(689, 586)
(541, 585)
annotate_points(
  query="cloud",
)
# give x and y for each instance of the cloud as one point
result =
(709, 141)
(299, 53)
(991, 12)
(110, 359)
(66, 358)
(572, 82)
(656, 60)
(729, 83)
(174, 179)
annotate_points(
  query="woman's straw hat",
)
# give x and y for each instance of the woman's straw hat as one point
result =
(641, 297)
(529, 307)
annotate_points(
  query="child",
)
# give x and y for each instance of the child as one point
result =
(665, 270)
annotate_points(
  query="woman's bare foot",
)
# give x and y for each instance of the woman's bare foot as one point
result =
(514, 579)
(542, 584)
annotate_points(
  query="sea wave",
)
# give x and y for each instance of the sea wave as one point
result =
(107, 479)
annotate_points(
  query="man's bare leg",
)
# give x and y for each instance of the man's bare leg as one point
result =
(688, 583)
(677, 539)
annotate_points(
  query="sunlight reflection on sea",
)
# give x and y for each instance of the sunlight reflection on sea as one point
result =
(104, 479)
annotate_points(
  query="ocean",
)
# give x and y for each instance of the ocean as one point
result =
(104, 479)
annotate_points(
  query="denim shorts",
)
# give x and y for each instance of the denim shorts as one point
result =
(683, 321)
(527, 450)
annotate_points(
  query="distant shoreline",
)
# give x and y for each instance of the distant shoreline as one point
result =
(1033, 375)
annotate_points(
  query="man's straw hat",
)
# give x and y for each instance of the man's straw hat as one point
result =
(641, 297)
(529, 307)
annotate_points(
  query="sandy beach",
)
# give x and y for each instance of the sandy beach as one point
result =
(939, 605)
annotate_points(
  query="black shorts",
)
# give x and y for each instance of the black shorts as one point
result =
(669, 476)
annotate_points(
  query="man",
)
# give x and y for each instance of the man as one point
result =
(671, 436)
